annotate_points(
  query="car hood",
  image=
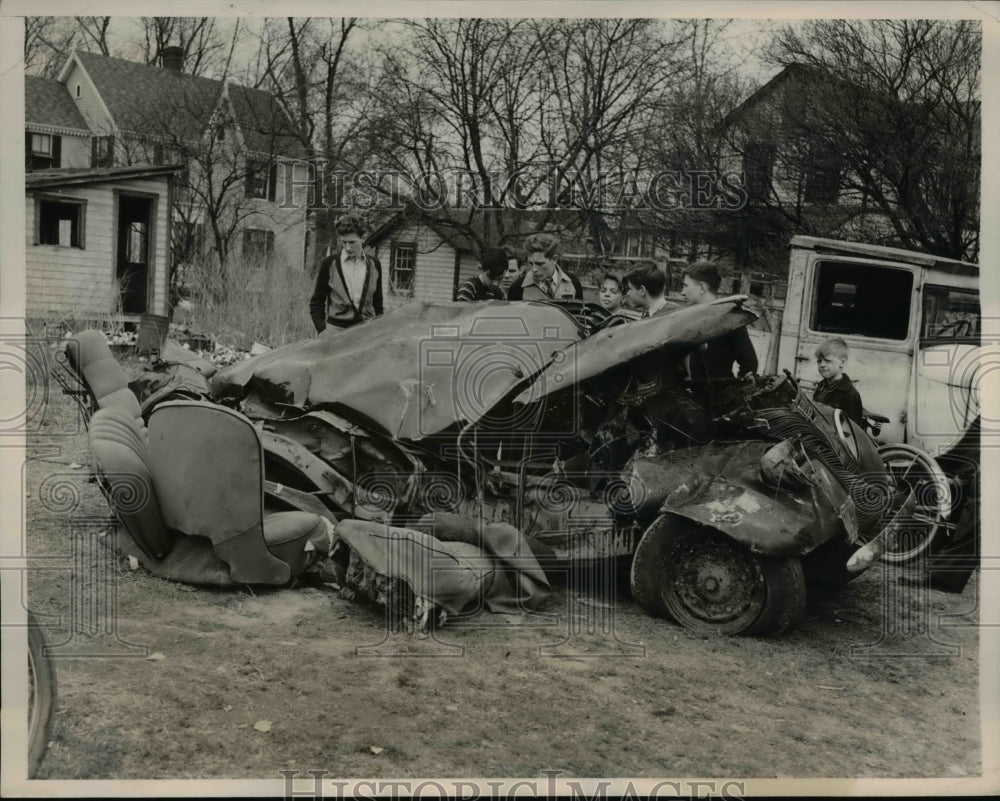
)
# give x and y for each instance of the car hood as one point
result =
(414, 371)
(428, 366)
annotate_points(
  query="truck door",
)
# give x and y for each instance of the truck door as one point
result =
(871, 305)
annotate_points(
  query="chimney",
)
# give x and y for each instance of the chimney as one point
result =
(172, 58)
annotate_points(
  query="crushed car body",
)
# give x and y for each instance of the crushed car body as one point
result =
(526, 415)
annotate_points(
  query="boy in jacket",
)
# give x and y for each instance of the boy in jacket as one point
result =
(349, 283)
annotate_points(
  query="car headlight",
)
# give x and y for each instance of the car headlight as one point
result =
(783, 463)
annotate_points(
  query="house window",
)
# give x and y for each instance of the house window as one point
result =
(258, 244)
(637, 243)
(862, 300)
(60, 222)
(822, 177)
(402, 264)
(102, 151)
(758, 169)
(78, 90)
(43, 151)
(262, 179)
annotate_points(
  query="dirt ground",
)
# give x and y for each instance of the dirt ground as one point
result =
(166, 681)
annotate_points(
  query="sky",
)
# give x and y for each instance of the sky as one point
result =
(742, 41)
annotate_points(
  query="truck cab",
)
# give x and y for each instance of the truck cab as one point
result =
(911, 322)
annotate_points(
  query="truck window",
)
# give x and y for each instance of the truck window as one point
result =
(950, 313)
(862, 300)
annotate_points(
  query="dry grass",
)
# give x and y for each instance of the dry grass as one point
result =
(248, 302)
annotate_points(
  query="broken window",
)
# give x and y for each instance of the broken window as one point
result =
(60, 222)
(862, 300)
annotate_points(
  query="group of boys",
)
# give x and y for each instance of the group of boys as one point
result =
(348, 291)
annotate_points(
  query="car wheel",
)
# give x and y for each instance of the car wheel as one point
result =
(708, 582)
(911, 469)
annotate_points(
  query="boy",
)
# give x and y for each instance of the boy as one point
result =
(545, 280)
(836, 389)
(348, 284)
(485, 285)
(644, 287)
(715, 359)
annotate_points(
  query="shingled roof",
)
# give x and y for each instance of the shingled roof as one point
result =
(265, 127)
(67, 176)
(153, 100)
(49, 103)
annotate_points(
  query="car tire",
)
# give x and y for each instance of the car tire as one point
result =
(708, 582)
(913, 469)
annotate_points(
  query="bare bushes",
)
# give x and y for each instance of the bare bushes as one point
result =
(248, 301)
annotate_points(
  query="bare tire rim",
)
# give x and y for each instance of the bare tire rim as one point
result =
(708, 583)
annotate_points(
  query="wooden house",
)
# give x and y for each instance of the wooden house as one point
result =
(98, 242)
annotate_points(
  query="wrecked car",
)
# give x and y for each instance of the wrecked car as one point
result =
(529, 416)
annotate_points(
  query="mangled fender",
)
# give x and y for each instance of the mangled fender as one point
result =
(720, 485)
(680, 330)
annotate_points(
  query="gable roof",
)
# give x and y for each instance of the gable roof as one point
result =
(48, 102)
(790, 73)
(144, 98)
(151, 100)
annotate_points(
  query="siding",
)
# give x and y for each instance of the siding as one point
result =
(288, 224)
(75, 151)
(66, 281)
(434, 271)
(89, 103)
(468, 267)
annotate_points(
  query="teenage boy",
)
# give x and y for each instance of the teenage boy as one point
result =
(675, 415)
(544, 280)
(644, 287)
(349, 284)
(715, 359)
(485, 285)
(836, 389)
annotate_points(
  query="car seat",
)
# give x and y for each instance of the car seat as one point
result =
(100, 373)
(208, 463)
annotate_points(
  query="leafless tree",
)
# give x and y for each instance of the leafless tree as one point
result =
(890, 113)
(208, 47)
(47, 43)
(528, 110)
